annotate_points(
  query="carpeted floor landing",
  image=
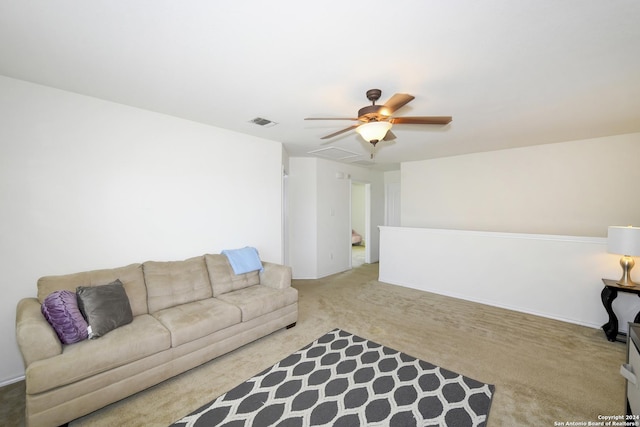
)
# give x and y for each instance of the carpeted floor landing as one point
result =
(544, 371)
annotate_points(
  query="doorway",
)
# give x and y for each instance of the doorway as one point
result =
(360, 223)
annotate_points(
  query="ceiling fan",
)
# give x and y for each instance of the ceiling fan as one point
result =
(377, 120)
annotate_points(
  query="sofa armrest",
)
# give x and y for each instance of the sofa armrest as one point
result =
(36, 338)
(275, 276)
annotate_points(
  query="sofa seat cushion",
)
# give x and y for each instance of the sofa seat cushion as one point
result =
(143, 337)
(257, 300)
(188, 322)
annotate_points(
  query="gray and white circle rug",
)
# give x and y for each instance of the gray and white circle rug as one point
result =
(344, 380)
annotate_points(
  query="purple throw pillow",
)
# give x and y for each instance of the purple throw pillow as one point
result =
(60, 308)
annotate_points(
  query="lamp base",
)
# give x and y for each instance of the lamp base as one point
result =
(627, 263)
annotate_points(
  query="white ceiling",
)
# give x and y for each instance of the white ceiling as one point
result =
(511, 73)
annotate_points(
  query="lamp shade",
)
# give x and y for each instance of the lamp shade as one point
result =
(374, 131)
(624, 240)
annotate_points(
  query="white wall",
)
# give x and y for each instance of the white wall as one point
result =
(547, 275)
(391, 177)
(320, 215)
(285, 208)
(303, 217)
(393, 198)
(89, 184)
(334, 220)
(571, 188)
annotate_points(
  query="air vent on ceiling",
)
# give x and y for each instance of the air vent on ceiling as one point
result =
(263, 122)
(334, 153)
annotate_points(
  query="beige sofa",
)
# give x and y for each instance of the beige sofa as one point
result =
(185, 313)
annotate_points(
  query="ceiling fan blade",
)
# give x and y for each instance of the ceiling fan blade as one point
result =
(397, 101)
(432, 120)
(329, 118)
(340, 132)
(390, 136)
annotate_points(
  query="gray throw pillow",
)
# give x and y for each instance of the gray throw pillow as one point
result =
(106, 307)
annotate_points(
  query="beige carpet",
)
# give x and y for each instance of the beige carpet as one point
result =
(544, 370)
(357, 255)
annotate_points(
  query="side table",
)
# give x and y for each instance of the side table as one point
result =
(609, 293)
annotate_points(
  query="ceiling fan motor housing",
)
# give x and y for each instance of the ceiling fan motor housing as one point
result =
(373, 113)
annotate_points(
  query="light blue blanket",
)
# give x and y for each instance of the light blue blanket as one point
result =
(243, 260)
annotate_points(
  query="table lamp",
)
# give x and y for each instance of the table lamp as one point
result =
(624, 241)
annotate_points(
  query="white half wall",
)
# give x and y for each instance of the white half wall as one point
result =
(89, 184)
(553, 276)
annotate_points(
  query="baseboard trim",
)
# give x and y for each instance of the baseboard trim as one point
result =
(11, 381)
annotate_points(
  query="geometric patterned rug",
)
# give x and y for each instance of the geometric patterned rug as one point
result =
(344, 380)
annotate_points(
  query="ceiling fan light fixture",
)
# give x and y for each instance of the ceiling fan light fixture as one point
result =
(374, 131)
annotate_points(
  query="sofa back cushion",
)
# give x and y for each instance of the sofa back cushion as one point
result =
(172, 283)
(131, 277)
(222, 277)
